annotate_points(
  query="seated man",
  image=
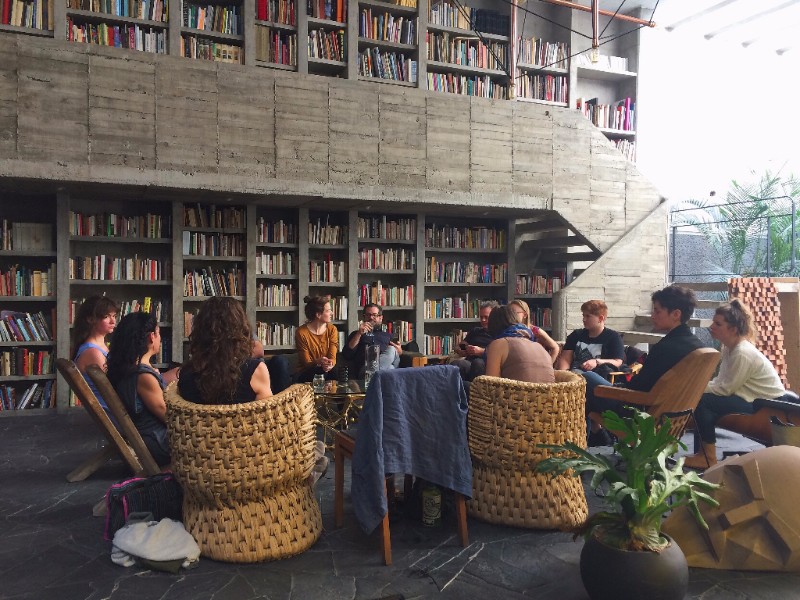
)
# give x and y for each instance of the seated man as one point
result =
(595, 348)
(672, 308)
(472, 363)
(369, 333)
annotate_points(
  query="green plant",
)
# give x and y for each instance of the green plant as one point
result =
(639, 495)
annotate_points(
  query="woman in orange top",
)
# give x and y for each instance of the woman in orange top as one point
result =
(317, 341)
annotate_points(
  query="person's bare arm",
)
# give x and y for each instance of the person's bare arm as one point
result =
(152, 395)
(90, 356)
(258, 349)
(549, 344)
(260, 382)
(565, 360)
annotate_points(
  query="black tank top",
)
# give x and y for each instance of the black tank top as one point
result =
(187, 385)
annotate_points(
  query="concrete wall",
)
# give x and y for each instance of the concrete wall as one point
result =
(78, 113)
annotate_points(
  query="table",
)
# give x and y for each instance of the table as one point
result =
(338, 407)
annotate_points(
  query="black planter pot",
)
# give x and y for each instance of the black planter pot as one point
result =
(612, 574)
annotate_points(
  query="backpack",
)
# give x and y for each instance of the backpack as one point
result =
(159, 494)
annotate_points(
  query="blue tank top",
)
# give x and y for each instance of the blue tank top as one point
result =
(81, 349)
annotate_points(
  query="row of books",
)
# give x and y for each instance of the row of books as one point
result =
(276, 232)
(213, 282)
(203, 49)
(387, 65)
(276, 334)
(26, 236)
(450, 15)
(148, 226)
(196, 243)
(320, 233)
(463, 85)
(111, 268)
(276, 11)
(402, 330)
(440, 345)
(602, 62)
(451, 48)
(396, 259)
(35, 14)
(279, 263)
(276, 46)
(377, 293)
(533, 284)
(628, 149)
(133, 37)
(151, 10)
(329, 45)
(277, 294)
(212, 216)
(453, 236)
(536, 51)
(332, 10)
(213, 17)
(542, 317)
(609, 116)
(327, 271)
(23, 281)
(38, 395)
(339, 305)
(553, 88)
(24, 327)
(459, 307)
(22, 361)
(159, 308)
(387, 27)
(384, 228)
(437, 271)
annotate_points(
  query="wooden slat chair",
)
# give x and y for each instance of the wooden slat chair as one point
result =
(757, 426)
(116, 444)
(677, 390)
(129, 431)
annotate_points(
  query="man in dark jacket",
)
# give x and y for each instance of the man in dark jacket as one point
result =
(672, 308)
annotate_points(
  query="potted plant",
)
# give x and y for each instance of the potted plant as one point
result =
(639, 490)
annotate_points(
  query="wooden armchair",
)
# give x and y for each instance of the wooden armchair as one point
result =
(677, 390)
(757, 426)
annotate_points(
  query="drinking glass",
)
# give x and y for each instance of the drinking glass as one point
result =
(319, 383)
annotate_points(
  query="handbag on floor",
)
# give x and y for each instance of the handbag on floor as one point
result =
(159, 494)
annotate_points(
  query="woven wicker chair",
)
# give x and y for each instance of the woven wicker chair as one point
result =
(244, 470)
(507, 420)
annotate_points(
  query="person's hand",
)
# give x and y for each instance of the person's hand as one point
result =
(364, 327)
(325, 363)
(471, 350)
(396, 346)
(590, 365)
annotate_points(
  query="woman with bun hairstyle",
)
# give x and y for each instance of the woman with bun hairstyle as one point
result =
(744, 375)
(523, 314)
(514, 354)
(317, 341)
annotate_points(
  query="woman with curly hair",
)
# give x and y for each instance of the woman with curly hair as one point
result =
(220, 369)
(139, 385)
(317, 341)
(96, 319)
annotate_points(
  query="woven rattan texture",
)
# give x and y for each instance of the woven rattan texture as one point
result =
(507, 420)
(244, 471)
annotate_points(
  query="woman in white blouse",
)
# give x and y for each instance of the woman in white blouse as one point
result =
(744, 375)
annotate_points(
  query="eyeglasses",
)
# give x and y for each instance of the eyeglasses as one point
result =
(372, 314)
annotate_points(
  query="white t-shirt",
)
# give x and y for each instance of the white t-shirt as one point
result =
(746, 373)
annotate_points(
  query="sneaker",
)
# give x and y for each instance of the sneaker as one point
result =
(600, 437)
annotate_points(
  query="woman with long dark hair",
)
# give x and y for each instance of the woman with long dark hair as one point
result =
(139, 385)
(220, 369)
(95, 320)
(744, 375)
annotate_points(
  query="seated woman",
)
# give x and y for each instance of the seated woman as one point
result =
(139, 385)
(513, 354)
(317, 341)
(523, 313)
(96, 319)
(744, 375)
(220, 369)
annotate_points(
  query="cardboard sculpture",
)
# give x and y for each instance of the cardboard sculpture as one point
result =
(757, 525)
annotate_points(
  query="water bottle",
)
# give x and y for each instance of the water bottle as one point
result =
(371, 362)
(431, 506)
(319, 383)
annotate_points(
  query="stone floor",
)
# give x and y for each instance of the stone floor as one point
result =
(52, 548)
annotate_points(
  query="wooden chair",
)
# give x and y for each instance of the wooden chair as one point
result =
(116, 443)
(677, 390)
(757, 426)
(414, 400)
(124, 422)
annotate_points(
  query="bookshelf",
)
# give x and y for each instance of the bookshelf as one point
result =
(388, 42)
(536, 288)
(27, 303)
(33, 17)
(213, 31)
(275, 29)
(129, 24)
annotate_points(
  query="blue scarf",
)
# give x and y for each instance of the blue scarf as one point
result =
(516, 330)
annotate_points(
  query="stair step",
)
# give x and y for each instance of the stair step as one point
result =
(569, 241)
(563, 257)
(704, 286)
(710, 303)
(640, 337)
(540, 225)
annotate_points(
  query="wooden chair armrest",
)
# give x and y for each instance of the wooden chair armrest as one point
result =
(623, 395)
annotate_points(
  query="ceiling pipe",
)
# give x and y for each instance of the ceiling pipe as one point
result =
(605, 13)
